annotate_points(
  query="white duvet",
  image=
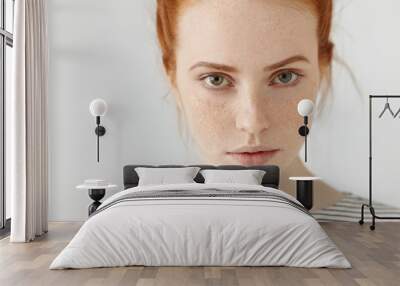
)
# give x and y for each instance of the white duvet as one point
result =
(200, 231)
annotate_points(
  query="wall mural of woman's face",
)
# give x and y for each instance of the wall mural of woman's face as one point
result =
(240, 76)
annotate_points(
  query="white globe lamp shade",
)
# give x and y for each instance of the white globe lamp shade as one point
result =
(98, 107)
(305, 107)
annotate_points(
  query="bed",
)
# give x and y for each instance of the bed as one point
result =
(201, 224)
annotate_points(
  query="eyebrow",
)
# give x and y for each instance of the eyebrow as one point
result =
(222, 67)
(297, 58)
(214, 66)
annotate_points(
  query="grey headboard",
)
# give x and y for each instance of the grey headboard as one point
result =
(271, 177)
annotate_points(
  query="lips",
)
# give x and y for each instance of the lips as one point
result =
(248, 157)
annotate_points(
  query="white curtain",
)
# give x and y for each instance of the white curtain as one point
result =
(26, 129)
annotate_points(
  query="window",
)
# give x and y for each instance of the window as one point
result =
(6, 62)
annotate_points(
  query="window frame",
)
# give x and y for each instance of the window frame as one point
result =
(6, 39)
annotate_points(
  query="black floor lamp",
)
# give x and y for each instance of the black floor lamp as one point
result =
(370, 203)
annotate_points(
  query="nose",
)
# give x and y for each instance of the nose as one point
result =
(251, 114)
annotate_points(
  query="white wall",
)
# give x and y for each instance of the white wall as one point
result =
(365, 33)
(104, 49)
(107, 49)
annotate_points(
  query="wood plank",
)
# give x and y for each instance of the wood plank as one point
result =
(375, 257)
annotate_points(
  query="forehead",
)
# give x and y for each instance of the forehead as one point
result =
(242, 30)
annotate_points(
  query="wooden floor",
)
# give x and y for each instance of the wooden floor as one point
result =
(375, 257)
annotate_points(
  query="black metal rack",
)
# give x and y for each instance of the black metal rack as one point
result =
(370, 204)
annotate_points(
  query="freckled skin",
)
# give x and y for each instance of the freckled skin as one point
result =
(248, 35)
(251, 113)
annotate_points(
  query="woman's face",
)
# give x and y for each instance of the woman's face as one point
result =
(242, 68)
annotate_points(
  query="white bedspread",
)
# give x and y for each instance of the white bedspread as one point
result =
(200, 231)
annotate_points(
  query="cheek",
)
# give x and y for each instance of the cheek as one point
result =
(290, 122)
(210, 119)
(283, 121)
(281, 108)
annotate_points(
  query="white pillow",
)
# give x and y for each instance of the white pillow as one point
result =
(162, 176)
(248, 177)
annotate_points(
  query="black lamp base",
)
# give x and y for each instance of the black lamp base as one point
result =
(96, 195)
(304, 193)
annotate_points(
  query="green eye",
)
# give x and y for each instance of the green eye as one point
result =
(216, 81)
(285, 78)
